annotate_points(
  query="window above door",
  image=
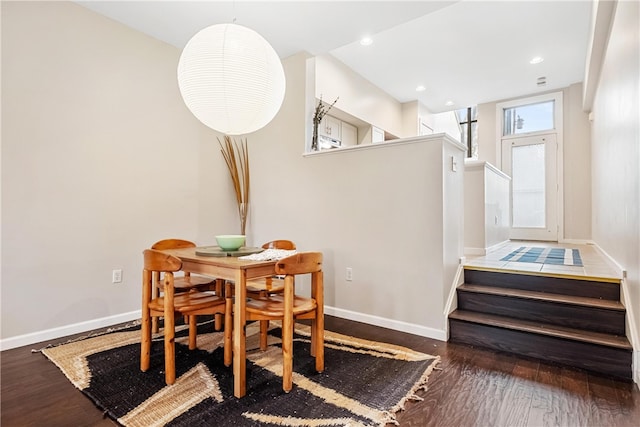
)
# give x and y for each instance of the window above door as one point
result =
(528, 118)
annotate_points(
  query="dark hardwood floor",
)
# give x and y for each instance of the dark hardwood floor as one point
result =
(474, 387)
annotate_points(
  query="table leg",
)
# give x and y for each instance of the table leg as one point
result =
(239, 335)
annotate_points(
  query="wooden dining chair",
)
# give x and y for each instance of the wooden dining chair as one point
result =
(188, 281)
(185, 282)
(287, 307)
(260, 288)
(270, 285)
(189, 304)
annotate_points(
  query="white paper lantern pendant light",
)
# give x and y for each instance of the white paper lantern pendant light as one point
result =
(231, 79)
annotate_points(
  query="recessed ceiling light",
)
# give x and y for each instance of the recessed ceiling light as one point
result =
(536, 60)
(449, 103)
(420, 88)
(366, 41)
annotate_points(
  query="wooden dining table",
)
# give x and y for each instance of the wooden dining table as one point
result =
(239, 271)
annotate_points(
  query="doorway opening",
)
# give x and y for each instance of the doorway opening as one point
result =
(530, 151)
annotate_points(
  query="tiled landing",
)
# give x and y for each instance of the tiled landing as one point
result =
(594, 264)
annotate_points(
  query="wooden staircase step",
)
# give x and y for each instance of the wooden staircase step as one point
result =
(573, 334)
(588, 287)
(545, 296)
(571, 320)
(604, 354)
(604, 316)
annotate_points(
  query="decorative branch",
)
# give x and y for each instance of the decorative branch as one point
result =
(318, 115)
(321, 110)
(237, 159)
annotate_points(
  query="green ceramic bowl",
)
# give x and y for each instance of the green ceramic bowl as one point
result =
(230, 242)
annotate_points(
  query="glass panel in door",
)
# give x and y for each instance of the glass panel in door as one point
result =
(528, 185)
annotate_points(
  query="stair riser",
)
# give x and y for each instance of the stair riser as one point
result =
(559, 314)
(600, 359)
(554, 285)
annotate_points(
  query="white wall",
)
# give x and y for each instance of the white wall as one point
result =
(487, 209)
(576, 158)
(616, 155)
(474, 232)
(452, 195)
(487, 132)
(497, 218)
(358, 96)
(100, 158)
(446, 122)
(410, 117)
(576, 166)
(413, 114)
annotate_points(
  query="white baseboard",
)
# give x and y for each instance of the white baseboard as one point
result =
(458, 279)
(396, 325)
(63, 331)
(104, 322)
(484, 251)
(632, 331)
(497, 246)
(452, 300)
(577, 241)
(613, 263)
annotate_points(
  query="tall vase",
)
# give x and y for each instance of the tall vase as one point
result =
(243, 211)
(314, 138)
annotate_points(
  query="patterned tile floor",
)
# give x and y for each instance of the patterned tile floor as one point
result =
(594, 263)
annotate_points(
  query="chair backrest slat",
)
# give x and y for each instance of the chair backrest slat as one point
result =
(172, 244)
(300, 263)
(158, 261)
(280, 244)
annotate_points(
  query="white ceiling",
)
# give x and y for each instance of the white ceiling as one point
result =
(467, 52)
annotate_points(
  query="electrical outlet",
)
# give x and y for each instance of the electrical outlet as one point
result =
(349, 274)
(116, 276)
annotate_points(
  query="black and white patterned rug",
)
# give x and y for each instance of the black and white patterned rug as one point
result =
(365, 383)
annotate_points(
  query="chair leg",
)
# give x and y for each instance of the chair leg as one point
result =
(228, 327)
(145, 345)
(264, 329)
(145, 328)
(193, 332)
(317, 341)
(169, 340)
(169, 352)
(317, 331)
(287, 355)
(287, 337)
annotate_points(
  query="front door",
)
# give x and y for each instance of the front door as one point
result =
(531, 161)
